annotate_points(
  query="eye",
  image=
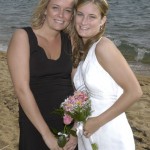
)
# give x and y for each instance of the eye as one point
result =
(79, 14)
(92, 16)
(54, 7)
(69, 10)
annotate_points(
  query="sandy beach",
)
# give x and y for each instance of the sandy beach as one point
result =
(138, 114)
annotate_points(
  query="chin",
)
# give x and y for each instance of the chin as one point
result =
(83, 35)
(59, 28)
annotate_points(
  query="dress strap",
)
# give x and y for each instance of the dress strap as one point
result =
(66, 43)
(32, 38)
(98, 40)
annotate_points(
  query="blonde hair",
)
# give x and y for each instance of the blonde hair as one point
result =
(38, 16)
(80, 50)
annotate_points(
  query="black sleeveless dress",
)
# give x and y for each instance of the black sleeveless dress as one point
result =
(50, 83)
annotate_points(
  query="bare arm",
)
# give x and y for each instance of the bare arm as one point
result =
(73, 72)
(114, 63)
(18, 62)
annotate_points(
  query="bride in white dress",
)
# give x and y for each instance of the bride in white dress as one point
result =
(104, 73)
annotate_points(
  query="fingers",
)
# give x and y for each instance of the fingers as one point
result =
(86, 134)
(70, 147)
(58, 148)
(71, 144)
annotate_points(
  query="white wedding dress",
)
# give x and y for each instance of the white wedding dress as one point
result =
(103, 92)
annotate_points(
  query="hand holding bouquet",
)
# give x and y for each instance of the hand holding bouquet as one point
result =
(77, 108)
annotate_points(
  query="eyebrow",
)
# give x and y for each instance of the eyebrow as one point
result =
(88, 14)
(60, 6)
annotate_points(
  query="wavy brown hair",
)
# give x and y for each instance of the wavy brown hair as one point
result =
(80, 49)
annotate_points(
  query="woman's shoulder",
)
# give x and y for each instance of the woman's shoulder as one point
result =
(18, 40)
(106, 50)
(105, 45)
(19, 33)
(105, 42)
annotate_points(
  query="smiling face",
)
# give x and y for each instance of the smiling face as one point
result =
(88, 20)
(59, 14)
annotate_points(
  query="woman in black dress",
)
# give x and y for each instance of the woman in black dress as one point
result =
(39, 60)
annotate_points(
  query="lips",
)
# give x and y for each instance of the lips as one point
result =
(59, 21)
(83, 28)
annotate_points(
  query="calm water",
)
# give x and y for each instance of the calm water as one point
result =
(128, 25)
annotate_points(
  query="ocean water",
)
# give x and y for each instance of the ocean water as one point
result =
(128, 25)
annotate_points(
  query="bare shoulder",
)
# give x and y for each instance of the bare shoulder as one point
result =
(106, 48)
(105, 44)
(18, 43)
(19, 38)
(19, 33)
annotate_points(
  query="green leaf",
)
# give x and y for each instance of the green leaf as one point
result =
(73, 133)
(59, 111)
(94, 146)
(54, 131)
(62, 141)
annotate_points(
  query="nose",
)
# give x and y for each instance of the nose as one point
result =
(84, 20)
(61, 13)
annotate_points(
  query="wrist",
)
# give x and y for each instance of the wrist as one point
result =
(46, 132)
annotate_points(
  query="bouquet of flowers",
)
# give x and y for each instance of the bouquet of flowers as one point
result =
(77, 108)
(63, 135)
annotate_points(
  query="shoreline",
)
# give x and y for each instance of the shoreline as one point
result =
(138, 114)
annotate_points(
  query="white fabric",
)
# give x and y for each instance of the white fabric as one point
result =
(103, 92)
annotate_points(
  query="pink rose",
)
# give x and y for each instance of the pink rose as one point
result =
(67, 119)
